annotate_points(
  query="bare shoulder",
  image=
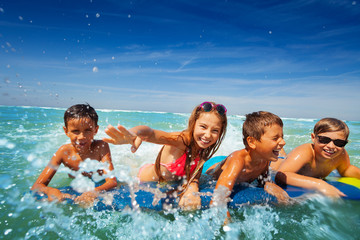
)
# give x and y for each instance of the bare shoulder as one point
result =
(305, 151)
(237, 158)
(65, 150)
(298, 157)
(62, 153)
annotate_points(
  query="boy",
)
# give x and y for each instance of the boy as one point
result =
(263, 140)
(309, 163)
(81, 127)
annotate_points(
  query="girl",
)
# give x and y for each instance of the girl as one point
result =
(183, 153)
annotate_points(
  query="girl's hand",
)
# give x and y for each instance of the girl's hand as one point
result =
(190, 200)
(278, 192)
(122, 136)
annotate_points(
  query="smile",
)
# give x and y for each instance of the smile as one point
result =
(276, 152)
(204, 141)
(329, 151)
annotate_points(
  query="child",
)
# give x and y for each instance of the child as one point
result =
(81, 127)
(263, 140)
(309, 163)
(183, 152)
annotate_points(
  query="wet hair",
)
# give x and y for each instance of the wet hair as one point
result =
(80, 111)
(188, 139)
(255, 123)
(331, 125)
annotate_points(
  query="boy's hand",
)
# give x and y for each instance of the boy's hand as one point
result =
(190, 200)
(330, 190)
(122, 136)
(56, 194)
(86, 199)
(280, 194)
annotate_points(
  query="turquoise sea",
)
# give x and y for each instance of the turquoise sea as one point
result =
(29, 136)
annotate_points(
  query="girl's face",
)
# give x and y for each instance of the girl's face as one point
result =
(207, 129)
(328, 150)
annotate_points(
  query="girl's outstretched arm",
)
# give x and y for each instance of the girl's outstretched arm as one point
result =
(122, 136)
(137, 134)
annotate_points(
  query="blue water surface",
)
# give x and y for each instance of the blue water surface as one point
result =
(29, 136)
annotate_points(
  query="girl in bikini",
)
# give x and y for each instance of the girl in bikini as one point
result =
(183, 153)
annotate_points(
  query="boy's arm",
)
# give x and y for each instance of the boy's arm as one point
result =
(41, 184)
(273, 189)
(89, 197)
(227, 179)
(287, 173)
(106, 157)
(345, 169)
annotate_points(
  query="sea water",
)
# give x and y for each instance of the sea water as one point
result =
(29, 136)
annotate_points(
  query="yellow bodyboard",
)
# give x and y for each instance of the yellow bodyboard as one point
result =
(351, 181)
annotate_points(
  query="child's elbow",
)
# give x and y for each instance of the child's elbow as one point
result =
(37, 187)
(112, 182)
(280, 179)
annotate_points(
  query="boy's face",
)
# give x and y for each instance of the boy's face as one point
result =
(328, 150)
(271, 142)
(81, 133)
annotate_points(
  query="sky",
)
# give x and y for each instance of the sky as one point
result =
(297, 59)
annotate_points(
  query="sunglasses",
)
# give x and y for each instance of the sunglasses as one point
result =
(208, 106)
(337, 142)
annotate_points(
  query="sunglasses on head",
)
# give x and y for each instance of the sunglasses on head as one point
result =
(208, 106)
(337, 142)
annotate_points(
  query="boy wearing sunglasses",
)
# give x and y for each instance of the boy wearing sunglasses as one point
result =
(307, 165)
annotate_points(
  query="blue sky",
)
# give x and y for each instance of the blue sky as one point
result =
(294, 58)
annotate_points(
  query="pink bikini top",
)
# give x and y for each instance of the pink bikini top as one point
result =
(178, 167)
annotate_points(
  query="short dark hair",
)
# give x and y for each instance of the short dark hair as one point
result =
(255, 123)
(80, 111)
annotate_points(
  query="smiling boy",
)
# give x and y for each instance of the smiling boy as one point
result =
(263, 140)
(307, 165)
(81, 127)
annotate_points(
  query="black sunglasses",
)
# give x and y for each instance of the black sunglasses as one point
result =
(337, 142)
(208, 106)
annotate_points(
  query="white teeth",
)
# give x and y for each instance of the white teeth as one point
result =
(204, 141)
(329, 151)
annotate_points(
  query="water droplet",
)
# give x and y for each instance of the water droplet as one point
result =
(95, 69)
(5, 181)
(7, 231)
